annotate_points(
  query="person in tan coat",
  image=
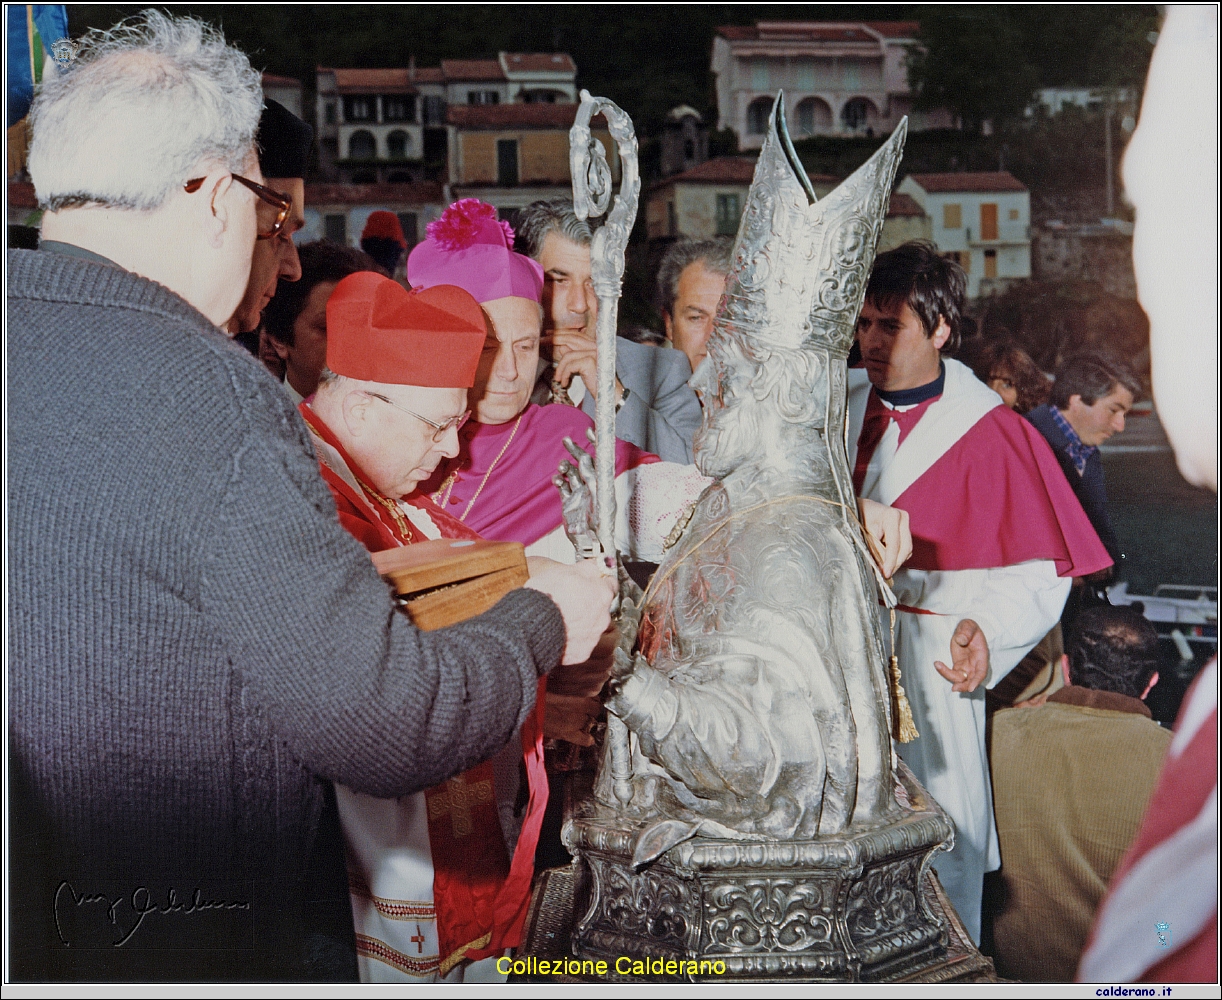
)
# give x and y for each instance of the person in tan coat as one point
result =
(1071, 778)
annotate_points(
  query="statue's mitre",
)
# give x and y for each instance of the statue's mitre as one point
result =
(800, 265)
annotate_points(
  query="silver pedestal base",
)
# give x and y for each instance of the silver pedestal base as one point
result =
(839, 909)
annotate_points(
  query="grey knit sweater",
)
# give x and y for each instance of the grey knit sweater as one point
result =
(195, 644)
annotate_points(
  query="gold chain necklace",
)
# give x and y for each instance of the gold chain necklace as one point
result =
(391, 507)
(452, 478)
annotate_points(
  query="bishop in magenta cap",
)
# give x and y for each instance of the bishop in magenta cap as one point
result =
(469, 247)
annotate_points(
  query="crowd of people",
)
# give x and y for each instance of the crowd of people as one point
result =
(231, 756)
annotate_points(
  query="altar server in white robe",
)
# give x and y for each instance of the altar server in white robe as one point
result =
(997, 536)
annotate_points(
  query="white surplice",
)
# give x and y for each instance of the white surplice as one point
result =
(1015, 606)
(390, 859)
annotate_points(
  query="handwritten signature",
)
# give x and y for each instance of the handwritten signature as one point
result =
(141, 903)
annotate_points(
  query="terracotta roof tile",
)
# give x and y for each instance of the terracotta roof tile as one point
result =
(382, 81)
(719, 170)
(902, 204)
(516, 116)
(895, 29)
(732, 170)
(738, 32)
(272, 80)
(429, 74)
(818, 31)
(472, 69)
(373, 194)
(978, 182)
(540, 62)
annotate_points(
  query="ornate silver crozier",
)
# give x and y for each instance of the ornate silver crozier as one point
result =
(749, 811)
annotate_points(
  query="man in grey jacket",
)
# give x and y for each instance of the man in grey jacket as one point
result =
(655, 409)
(196, 647)
(691, 281)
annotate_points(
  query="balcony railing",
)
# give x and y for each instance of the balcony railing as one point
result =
(1006, 237)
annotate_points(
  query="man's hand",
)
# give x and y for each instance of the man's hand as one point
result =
(583, 593)
(969, 657)
(887, 535)
(577, 354)
(569, 717)
(586, 679)
(572, 703)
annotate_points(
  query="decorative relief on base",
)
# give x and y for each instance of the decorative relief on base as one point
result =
(837, 909)
(652, 907)
(768, 914)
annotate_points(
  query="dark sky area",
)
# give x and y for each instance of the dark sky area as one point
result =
(649, 58)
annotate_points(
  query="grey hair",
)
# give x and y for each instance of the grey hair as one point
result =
(141, 107)
(539, 218)
(714, 254)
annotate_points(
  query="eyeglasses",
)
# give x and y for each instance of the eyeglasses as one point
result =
(439, 430)
(282, 203)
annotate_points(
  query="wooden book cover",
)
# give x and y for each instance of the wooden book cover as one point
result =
(445, 581)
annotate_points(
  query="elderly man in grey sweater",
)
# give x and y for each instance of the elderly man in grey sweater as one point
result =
(196, 646)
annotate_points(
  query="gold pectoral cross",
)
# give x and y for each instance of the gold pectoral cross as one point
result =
(456, 802)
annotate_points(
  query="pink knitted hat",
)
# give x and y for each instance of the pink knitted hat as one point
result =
(469, 248)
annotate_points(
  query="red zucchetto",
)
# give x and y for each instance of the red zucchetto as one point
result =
(379, 332)
(384, 226)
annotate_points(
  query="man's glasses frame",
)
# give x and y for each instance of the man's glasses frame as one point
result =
(281, 202)
(439, 430)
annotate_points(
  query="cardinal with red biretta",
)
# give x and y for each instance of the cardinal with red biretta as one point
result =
(437, 888)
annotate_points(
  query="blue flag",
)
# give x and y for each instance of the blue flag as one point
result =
(32, 30)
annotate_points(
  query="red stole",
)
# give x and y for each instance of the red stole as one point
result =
(981, 486)
(480, 897)
(874, 425)
(999, 498)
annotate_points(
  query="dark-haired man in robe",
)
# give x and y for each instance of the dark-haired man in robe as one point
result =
(996, 532)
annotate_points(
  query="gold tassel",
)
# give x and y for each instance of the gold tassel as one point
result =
(903, 727)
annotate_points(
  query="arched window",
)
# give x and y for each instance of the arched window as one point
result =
(362, 146)
(814, 117)
(396, 145)
(757, 115)
(858, 112)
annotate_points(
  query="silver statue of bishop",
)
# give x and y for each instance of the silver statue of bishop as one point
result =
(757, 701)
